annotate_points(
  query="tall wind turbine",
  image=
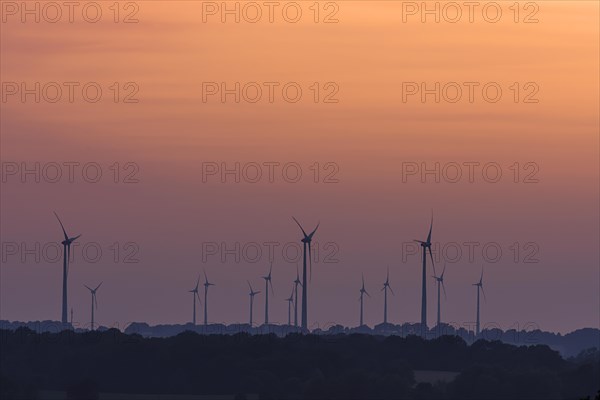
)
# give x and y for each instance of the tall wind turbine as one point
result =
(386, 286)
(363, 291)
(290, 301)
(206, 285)
(296, 283)
(252, 294)
(94, 301)
(195, 296)
(66, 257)
(267, 283)
(426, 245)
(306, 240)
(479, 286)
(440, 282)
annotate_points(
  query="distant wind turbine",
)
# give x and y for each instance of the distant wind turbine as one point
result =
(206, 285)
(252, 294)
(386, 286)
(290, 301)
(440, 282)
(66, 257)
(479, 286)
(267, 283)
(296, 283)
(363, 291)
(94, 301)
(306, 240)
(426, 245)
(195, 296)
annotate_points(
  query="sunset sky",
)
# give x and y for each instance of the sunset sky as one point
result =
(370, 136)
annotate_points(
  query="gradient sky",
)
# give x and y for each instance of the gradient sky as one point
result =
(369, 134)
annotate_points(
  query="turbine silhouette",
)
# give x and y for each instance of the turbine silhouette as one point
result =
(363, 291)
(252, 294)
(479, 286)
(267, 283)
(296, 283)
(386, 286)
(66, 257)
(290, 301)
(94, 301)
(206, 285)
(306, 240)
(426, 245)
(440, 282)
(195, 295)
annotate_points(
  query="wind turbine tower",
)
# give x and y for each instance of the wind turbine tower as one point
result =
(426, 245)
(267, 283)
(479, 287)
(252, 294)
(206, 286)
(195, 296)
(440, 282)
(296, 283)
(306, 241)
(66, 257)
(94, 301)
(386, 286)
(363, 291)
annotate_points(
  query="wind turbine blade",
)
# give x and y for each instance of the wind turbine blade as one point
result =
(430, 228)
(205, 277)
(483, 291)
(444, 287)
(76, 237)
(443, 271)
(198, 296)
(432, 262)
(250, 286)
(387, 279)
(305, 235)
(367, 293)
(61, 225)
(98, 286)
(89, 288)
(391, 290)
(313, 232)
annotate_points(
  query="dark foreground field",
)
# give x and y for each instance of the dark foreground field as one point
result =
(113, 365)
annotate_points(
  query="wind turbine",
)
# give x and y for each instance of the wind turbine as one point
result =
(296, 283)
(267, 282)
(290, 300)
(363, 291)
(426, 245)
(206, 285)
(479, 286)
(386, 286)
(66, 257)
(195, 295)
(440, 282)
(94, 301)
(252, 294)
(306, 240)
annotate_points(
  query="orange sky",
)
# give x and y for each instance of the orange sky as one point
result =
(369, 134)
